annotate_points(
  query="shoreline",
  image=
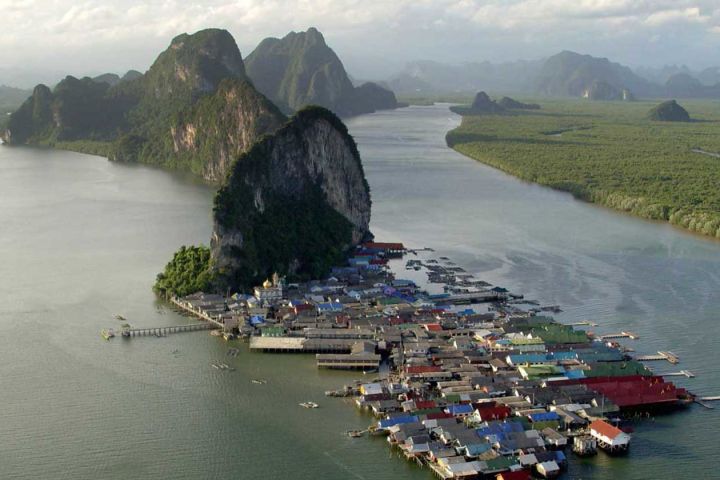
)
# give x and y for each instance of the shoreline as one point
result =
(499, 167)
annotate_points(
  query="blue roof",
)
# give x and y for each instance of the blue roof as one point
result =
(560, 456)
(474, 449)
(544, 417)
(256, 320)
(332, 306)
(389, 422)
(574, 374)
(460, 409)
(500, 429)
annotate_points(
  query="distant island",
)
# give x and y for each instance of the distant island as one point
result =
(483, 104)
(636, 157)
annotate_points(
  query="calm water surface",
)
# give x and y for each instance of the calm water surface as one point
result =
(82, 238)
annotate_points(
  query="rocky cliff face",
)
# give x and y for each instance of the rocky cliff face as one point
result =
(221, 127)
(293, 203)
(301, 69)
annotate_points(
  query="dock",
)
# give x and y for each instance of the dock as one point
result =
(669, 356)
(163, 331)
(583, 323)
(623, 334)
(681, 373)
(702, 401)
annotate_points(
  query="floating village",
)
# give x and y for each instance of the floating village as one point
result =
(472, 381)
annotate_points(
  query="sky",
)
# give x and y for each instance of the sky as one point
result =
(374, 38)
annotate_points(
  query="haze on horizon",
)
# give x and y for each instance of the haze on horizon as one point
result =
(44, 39)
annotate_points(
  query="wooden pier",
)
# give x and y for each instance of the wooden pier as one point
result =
(630, 335)
(669, 356)
(681, 373)
(703, 401)
(198, 313)
(163, 331)
(583, 323)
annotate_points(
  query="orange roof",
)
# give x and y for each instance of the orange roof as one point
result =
(605, 429)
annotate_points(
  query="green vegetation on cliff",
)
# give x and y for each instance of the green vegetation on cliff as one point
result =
(608, 153)
(193, 110)
(290, 205)
(188, 272)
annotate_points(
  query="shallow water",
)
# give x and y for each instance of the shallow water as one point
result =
(82, 239)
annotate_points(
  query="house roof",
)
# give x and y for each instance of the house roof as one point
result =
(605, 429)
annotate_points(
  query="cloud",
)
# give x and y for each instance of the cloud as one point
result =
(97, 35)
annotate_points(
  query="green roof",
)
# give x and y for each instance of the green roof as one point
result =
(616, 369)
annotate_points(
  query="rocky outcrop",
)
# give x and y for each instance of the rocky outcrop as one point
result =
(669, 111)
(293, 203)
(483, 104)
(301, 69)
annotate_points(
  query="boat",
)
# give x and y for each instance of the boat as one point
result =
(215, 365)
(355, 433)
(107, 334)
(309, 404)
(258, 382)
(119, 317)
(228, 336)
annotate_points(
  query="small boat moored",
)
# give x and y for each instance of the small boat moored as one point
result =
(309, 404)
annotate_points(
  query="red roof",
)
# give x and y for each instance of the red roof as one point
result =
(384, 246)
(438, 415)
(433, 327)
(424, 404)
(605, 429)
(499, 412)
(519, 475)
(633, 390)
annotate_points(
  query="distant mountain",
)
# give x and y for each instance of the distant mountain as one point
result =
(301, 69)
(660, 75)
(600, 90)
(428, 77)
(10, 99)
(669, 111)
(113, 79)
(194, 110)
(683, 85)
(571, 74)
